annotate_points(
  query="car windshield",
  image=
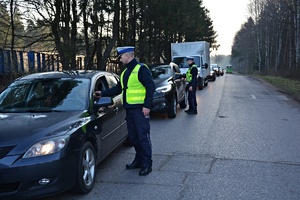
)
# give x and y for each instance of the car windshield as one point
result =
(161, 72)
(214, 66)
(45, 95)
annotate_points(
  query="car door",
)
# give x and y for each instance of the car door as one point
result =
(109, 118)
(112, 81)
(180, 83)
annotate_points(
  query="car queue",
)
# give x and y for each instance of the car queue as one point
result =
(54, 132)
(171, 87)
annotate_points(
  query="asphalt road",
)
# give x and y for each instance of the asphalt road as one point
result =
(243, 144)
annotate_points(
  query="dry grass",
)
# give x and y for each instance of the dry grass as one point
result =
(287, 85)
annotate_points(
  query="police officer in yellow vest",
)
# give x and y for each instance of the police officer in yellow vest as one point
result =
(137, 88)
(191, 78)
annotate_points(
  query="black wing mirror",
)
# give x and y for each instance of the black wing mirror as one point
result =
(178, 76)
(103, 102)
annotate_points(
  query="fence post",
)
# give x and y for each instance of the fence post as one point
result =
(31, 61)
(43, 62)
(15, 62)
(1, 61)
(57, 62)
(39, 66)
(21, 61)
(7, 61)
(52, 62)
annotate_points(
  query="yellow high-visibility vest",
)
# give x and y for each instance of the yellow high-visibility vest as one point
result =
(135, 91)
(188, 73)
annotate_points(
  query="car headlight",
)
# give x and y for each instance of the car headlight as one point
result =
(163, 89)
(46, 147)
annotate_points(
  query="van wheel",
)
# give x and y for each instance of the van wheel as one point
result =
(86, 173)
(200, 83)
(205, 82)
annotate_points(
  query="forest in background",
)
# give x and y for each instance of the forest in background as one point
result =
(94, 28)
(269, 42)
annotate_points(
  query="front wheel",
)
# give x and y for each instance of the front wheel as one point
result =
(172, 109)
(86, 173)
(183, 103)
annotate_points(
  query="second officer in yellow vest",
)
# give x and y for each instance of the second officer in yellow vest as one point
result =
(191, 78)
(137, 88)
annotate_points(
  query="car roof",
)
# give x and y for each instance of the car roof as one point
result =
(67, 74)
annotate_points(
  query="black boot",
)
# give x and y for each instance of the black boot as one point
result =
(188, 110)
(193, 111)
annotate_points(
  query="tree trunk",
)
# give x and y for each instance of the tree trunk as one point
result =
(13, 62)
(115, 35)
(73, 35)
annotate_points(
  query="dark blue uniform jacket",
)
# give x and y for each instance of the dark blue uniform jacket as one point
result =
(194, 73)
(145, 78)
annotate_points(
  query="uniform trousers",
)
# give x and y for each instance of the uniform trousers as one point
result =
(192, 98)
(138, 127)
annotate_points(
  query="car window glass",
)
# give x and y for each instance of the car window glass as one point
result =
(100, 85)
(112, 81)
(47, 94)
(14, 94)
(161, 71)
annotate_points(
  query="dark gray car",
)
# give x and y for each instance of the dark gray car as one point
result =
(170, 89)
(54, 133)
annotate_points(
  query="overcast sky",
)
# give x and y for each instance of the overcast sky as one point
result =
(227, 17)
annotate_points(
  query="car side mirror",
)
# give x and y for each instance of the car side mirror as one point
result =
(103, 102)
(178, 76)
(205, 65)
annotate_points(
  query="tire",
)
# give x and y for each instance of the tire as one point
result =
(172, 109)
(183, 103)
(86, 173)
(205, 82)
(200, 83)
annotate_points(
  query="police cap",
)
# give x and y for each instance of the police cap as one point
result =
(125, 49)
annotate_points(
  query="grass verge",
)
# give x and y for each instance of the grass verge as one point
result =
(286, 85)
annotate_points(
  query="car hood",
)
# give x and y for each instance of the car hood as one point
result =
(20, 127)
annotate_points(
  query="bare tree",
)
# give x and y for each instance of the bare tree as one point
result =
(95, 27)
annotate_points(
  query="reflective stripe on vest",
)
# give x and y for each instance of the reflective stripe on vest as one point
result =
(188, 73)
(135, 91)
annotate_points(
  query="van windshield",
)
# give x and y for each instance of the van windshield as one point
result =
(182, 63)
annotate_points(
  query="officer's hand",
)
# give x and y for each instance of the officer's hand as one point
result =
(146, 112)
(191, 88)
(97, 94)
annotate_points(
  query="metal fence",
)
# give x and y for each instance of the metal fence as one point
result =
(27, 62)
(19, 63)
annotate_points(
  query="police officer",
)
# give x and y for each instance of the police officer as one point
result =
(137, 88)
(191, 78)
